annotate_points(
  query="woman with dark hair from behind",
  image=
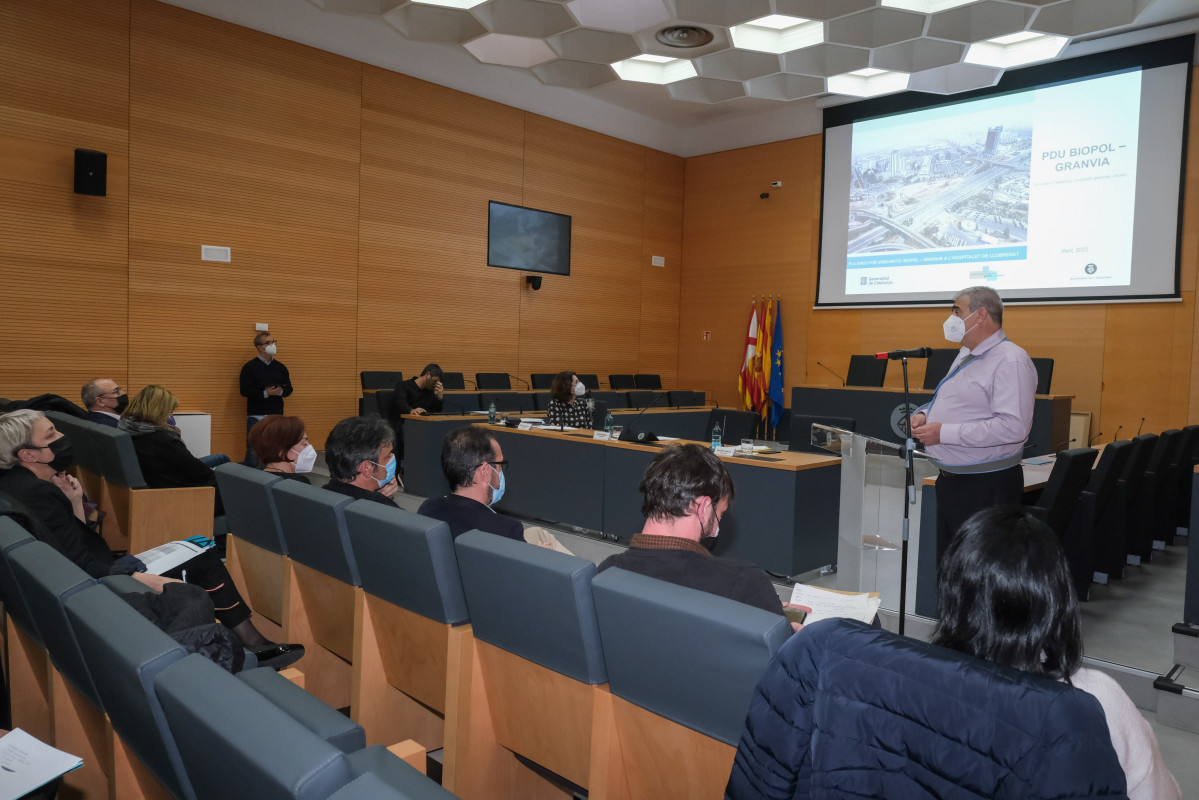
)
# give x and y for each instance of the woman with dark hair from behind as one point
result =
(567, 406)
(281, 444)
(1006, 595)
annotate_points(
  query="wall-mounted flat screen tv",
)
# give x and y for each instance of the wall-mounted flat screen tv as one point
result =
(528, 239)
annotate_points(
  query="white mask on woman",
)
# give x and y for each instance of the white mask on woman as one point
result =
(580, 389)
(305, 459)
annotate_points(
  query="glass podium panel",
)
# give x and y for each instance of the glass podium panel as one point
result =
(870, 532)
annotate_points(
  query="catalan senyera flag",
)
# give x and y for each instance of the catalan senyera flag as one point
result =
(777, 383)
(763, 357)
(745, 377)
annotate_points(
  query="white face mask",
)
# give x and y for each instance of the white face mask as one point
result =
(580, 389)
(306, 459)
(955, 327)
(270, 349)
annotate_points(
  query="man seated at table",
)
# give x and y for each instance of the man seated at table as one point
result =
(474, 465)
(104, 401)
(361, 463)
(686, 491)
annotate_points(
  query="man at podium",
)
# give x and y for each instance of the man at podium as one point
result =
(976, 425)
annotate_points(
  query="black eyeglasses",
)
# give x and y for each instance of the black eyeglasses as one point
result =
(502, 466)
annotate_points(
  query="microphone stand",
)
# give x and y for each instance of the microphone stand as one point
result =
(909, 498)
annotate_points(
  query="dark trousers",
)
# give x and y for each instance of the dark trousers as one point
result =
(960, 496)
(206, 571)
(251, 459)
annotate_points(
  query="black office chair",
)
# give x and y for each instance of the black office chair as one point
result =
(376, 379)
(621, 383)
(590, 380)
(493, 382)
(1155, 497)
(1081, 539)
(648, 381)
(735, 425)
(1059, 498)
(866, 371)
(1188, 456)
(1044, 368)
(542, 380)
(644, 399)
(506, 402)
(612, 399)
(682, 398)
(453, 381)
(800, 438)
(937, 367)
(1113, 537)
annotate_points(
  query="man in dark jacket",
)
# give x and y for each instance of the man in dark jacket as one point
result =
(474, 464)
(421, 395)
(361, 463)
(104, 400)
(264, 382)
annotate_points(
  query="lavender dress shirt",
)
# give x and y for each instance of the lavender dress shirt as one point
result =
(984, 407)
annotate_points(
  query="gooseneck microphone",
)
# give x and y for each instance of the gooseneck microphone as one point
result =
(522, 380)
(629, 435)
(834, 374)
(1093, 438)
(1062, 446)
(895, 355)
(1117, 436)
(1140, 426)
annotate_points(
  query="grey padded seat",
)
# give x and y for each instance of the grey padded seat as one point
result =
(320, 718)
(13, 536)
(117, 458)
(533, 602)
(407, 560)
(314, 529)
(250, 505)
(689, 656)
(236, 743)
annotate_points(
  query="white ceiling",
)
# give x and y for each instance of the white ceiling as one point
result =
(579, 36)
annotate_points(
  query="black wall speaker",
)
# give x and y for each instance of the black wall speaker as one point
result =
(534, 281)
(91, 172)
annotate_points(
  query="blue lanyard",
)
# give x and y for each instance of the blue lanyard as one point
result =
(968, 359)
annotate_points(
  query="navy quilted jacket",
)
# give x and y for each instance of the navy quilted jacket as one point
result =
(850, 711)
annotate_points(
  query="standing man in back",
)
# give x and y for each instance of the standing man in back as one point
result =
(264, 383)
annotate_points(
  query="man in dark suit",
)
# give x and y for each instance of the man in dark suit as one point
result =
(104, 401)
(474, 465)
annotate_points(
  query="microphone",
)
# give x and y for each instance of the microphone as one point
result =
(895, 355)
(472, 383)
(1140, 426)
(835, 375)
(1117, 436)
(522, 380)
(1093, 438)
(628, 435)
(1062, 446)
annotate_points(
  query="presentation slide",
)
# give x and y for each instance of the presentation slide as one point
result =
(1063, 191)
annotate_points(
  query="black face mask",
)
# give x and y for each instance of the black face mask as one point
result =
(122, 403)
(64, 456)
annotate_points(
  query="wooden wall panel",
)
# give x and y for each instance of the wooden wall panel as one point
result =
(64, 83)
(663, 225)
(243, 140)
(431, 159)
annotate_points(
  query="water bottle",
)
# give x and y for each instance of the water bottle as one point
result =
(716, 435)
(491, 413)
(608, 423)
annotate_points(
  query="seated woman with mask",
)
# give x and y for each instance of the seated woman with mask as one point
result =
(281, 444)
(1006, 596)
(567, 406)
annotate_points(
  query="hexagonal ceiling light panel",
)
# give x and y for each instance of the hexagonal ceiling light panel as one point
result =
(877, 27)
(648, 68)
(777, 33)
(954, 78)
(719, 12)
(1015, 50)
(737, 65)
(826, 59)
(621, 16)
(917, 55)
(925, 6)
(510, 51)
(366, 8)
(531, 18)
(598, 47)
(574, 74)
(451, 3)
(784, 86)
(1075, 18)
(706, 90)
(868, 82)
(822, 9)
(980, 21)
(426, 23)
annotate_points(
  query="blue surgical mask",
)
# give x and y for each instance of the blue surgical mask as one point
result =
(391, 472)
(496, 494)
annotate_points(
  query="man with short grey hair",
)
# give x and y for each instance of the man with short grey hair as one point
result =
(976, 425)
(361, 463)
(104, 400)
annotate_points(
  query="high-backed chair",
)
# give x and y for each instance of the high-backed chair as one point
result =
(460, 403)
(87, 461)
(1080, 540)
(322, 586)
(937, 366)
(1071, 472)
(506, 402)
(734, 425)
(866, 370)
(612, 399)
(254, 550)
(453, 381)
(1117, 521)
(408, 623)
(644, 399)
(541, 401)
(1187, 458)
(622, 382)
(28, 661)
(1044, 367)
(542, 380)
(530, 683)
(124, 652)
(383, 399)
(590, 380)
(800, 437)
(236, 743)
(648, 381)
(493, 382)
(846, 709)
(380, 379)
(140, 518)
(682, 666)
(681, 398)
(1154, 497)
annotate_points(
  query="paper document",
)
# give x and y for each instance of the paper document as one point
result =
(167, 556)
(27, 763)
(828, 603)
(542, 538)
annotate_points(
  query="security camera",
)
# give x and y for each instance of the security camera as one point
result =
(764, 195)
(776, 184)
